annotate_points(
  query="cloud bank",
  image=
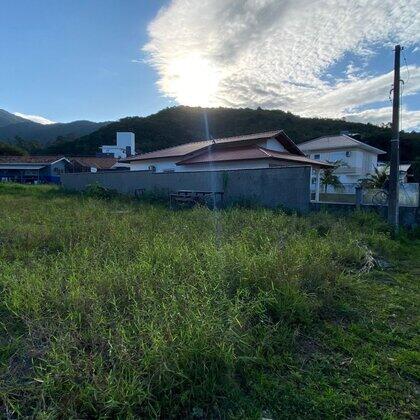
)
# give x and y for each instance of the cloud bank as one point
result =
(34, 118)
(278, 53)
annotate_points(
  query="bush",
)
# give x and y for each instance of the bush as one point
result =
(98, 191)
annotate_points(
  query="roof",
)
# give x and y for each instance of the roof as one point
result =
(338, 142)
(404, 167)
(251, 152)
(21, 166)
(46, 160)
(93, 161)
(188, 148)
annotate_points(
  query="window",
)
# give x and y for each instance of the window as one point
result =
(317, 156)
(152, 168)
(336, 156)
(348, 153)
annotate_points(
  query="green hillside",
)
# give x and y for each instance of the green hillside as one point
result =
(7, 118)
(181, 124)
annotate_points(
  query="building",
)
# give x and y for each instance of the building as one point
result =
(262, 150)
(406, 173)
(356, 159)
(33, 169)
(92, 163)
(125, 147)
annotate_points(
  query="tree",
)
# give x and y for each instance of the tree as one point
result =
(329, 178)
(11, 150)
(377, 180)
(416, 169)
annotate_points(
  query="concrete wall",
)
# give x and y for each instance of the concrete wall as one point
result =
(286, 186)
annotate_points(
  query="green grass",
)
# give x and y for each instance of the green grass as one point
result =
(114, 308)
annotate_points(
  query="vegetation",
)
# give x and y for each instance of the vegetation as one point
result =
(31, 133)
(328, 177)
(116, 308)
(377, 180)
(10, 150)
(177, 125)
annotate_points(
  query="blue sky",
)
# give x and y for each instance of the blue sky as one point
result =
(106, 59)
(72, 59)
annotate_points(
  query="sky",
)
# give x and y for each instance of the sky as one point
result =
(106, 59)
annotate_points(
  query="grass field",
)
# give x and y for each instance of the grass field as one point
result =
(114, 308)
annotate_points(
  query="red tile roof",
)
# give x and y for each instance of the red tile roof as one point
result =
(30, 159)
(93, 161)
(188, 148)
(249, 153)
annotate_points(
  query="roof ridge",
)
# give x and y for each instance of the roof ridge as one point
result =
(206, 143)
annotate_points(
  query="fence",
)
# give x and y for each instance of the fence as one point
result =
(408, 196)
(344, 189)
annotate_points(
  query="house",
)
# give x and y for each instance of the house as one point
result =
(94, 163)
(406, 172)
(30, 169)
(125, 147)
(262, 150)
(357, 159)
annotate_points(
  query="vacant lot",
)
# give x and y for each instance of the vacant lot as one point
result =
(112, 308)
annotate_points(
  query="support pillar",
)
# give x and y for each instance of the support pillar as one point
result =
(317, 185)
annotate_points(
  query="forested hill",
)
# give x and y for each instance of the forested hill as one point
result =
(173, 126)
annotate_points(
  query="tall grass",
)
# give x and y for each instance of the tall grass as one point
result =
(114, 308)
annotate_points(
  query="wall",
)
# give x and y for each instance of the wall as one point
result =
(286, 186)
(170, 165)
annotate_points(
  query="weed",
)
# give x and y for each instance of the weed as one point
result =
(120, 308)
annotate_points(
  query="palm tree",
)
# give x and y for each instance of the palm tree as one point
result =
(377, 180)
(329, 178)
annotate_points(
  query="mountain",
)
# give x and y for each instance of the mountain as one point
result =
(177, 125)
(7, 118)
(12, 126)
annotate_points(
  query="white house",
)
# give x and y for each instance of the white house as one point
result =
(357, 159)
(405, 172)
(125, 147)
(262, 150)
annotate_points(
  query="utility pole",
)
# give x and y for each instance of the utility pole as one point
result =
(393, 205)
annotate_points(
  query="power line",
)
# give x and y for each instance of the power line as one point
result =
(406, 66)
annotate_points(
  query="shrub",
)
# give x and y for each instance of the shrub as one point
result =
(98, 191)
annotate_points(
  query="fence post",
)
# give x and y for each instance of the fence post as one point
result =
(358, 197)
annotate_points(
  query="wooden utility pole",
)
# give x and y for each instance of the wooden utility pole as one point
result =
(393, 210)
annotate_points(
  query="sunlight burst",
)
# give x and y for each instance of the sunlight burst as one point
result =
(192, 80)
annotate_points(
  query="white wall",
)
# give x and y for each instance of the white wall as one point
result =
(170, 165)
(160, 164)
(126, 139)
(359, 163)
(116, 151)
(272, 144)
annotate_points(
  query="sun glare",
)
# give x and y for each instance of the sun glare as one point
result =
(193, 81)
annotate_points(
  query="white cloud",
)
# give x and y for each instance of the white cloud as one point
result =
(277, 53)
(410, 119)
(35, 118)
